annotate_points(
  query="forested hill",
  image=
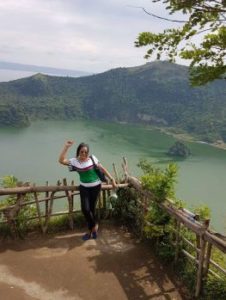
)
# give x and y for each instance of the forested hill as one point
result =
(156, 93)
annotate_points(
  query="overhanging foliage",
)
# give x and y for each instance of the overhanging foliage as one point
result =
(203, 32)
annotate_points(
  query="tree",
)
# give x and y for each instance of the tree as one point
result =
(201, 38)
(179, 150)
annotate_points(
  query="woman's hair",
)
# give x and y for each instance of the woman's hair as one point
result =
(80, 146)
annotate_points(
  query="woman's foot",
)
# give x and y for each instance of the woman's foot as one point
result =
(86, 236)
(94, 235)
(94, 231)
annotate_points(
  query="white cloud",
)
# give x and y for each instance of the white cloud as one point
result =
(91, 36)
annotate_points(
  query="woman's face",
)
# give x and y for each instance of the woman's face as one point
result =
(83, 153)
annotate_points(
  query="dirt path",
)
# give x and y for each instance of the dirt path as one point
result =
(62, 266)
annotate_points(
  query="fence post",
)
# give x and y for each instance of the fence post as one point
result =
(207, 260)
(178, 227)
(70, 205)
(116, 173)
(38, 211)
(47, 201)
(200, 267)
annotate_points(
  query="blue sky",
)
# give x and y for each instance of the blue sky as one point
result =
(92, 36)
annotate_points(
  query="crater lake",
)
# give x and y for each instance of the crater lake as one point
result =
(31, 154)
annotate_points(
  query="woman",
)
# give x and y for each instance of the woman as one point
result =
(90, 184)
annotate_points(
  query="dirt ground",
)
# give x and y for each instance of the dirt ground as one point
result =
(62, 266)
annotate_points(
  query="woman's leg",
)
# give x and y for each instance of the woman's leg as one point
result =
(94, 193)
(88, 203)
(85, 205)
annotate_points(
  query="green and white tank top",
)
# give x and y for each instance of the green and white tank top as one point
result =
(86, 170)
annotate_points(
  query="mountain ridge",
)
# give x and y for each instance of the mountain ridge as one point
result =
(47, 70)
(156, 93)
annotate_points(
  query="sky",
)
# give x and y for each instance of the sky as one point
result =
(91, 36)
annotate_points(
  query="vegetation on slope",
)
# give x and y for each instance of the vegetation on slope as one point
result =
(156, 93)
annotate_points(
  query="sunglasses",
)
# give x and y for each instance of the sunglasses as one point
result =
(83, 151)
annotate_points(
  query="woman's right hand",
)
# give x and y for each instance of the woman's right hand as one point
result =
(62, 158)
(69, 143)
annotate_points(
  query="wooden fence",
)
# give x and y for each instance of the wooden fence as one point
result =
(205, 238)
(46, 194)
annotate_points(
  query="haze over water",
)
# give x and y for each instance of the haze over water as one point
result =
(31, 154)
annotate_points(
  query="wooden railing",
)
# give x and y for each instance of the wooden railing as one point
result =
(46, 194)
(205, 238)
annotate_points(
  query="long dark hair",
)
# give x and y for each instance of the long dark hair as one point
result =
(80, 146)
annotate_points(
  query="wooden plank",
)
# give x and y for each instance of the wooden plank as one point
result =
(217, 242)
(191, 257)
(50, 188)
(189, 243)
(54, 214)
(218, 267)
(215, 274)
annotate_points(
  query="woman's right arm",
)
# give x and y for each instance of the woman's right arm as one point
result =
(62, 157)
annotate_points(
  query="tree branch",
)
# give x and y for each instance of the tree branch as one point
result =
(156, 16)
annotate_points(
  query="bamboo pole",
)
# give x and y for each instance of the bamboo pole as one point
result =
(38, 211)
(198, 242)
(125, 168)
(104, 199)
(220, 243)
(200, 267)
(219, 268)
(178, 226)
(190, 256)
(212, 239)
(40, 200)
(70, 205)
(193, 259)
(116, 173)
(59, 213)
(47, 201)
(49, 213)
(214, 274)
(207, 260)
(53, 188)
(184, 239)
(198, 245)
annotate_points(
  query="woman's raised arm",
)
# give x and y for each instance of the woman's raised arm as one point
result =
(62, 157)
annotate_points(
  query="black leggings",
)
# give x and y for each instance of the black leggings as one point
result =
(89, 197)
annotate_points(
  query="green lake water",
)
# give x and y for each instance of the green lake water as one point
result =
(31, 154)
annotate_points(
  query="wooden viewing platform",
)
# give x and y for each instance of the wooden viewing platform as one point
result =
(205, 238)
(61, 266)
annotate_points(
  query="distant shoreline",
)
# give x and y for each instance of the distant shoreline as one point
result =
(187, 137)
